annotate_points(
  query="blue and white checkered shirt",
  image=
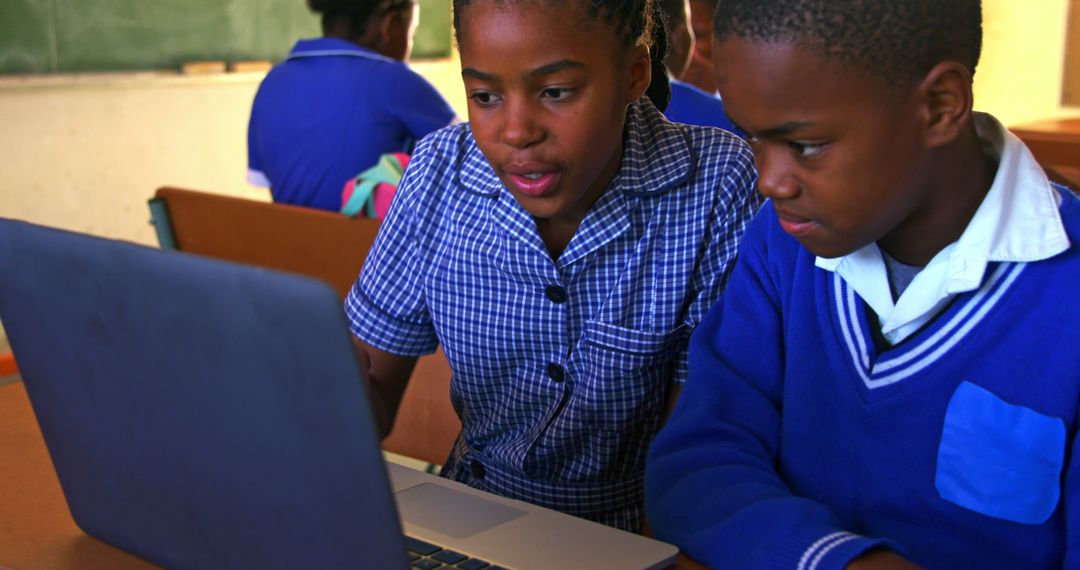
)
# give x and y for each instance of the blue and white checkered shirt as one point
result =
(561, 369)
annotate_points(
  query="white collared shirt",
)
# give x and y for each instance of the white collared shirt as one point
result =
(1018, 220)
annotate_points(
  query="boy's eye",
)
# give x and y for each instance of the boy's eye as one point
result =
(556, 93)
(484, 97)
(805, 150)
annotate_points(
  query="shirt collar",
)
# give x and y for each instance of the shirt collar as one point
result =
(1018, 219)
(332, 47)
(656, 157)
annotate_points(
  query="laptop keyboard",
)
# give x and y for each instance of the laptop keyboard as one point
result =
(427, 556)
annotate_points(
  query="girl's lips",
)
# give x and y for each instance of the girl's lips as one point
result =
(535, 187)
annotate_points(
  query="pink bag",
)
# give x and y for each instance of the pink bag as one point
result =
(370, 193)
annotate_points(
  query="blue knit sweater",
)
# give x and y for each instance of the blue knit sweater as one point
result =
(796, 444)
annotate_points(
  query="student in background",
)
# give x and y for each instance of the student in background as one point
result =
(699, 72)
(339, 102)
(891, 378)
(560, 247)
(688, 104)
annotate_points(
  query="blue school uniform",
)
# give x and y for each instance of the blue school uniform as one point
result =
(561, 368)
(693, 106)
(328, 112)
(800, 442)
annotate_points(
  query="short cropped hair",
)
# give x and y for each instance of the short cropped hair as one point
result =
(897, 40)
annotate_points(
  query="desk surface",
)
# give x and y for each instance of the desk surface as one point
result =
(1056, 145)
(36, 529)
(1056, 129)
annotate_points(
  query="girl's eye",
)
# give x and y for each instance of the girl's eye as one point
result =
(805, 150)
(556, 93)
(484, 98)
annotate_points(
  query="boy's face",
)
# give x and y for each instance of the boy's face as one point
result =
(701, 16)
(839, 153)
(680, 39)
(548, 86)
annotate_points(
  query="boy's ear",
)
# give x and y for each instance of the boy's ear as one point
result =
(947, 102)
(640, 72)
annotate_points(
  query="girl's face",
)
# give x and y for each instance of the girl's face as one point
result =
(548, 87)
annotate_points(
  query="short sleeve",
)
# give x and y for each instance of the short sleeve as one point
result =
(386, 307)
(256, 176)
(417, 104)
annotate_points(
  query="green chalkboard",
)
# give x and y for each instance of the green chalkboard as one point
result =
(433, 37)
(44, 36)
(25, 41)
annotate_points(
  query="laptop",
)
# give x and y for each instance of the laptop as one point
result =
(205, 414)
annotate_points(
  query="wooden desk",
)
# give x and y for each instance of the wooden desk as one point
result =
(1055, 142)
(36, 529)
(1056, 145)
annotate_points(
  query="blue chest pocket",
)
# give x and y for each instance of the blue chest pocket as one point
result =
(1000, 459)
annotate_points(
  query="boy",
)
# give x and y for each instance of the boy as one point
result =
(699, 72)
(688, 104)
(892, 377)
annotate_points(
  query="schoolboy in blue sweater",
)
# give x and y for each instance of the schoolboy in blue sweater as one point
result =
(891, 379)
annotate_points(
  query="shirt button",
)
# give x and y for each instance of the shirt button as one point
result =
(477, 469)
(555, 294)
(556, 372)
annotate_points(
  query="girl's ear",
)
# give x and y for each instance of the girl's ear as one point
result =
(394, 30)
(946, 98)
(640, 72)
(390, 27)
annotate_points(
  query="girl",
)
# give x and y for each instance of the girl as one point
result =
(561, 247)
(339, 102)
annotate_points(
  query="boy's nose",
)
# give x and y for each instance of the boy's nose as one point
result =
(775, 180)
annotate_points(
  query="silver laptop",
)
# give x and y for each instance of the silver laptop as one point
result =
(203, 414)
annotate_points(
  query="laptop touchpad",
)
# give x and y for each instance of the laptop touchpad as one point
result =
(450, 512)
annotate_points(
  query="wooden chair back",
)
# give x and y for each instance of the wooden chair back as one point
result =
(315, 243)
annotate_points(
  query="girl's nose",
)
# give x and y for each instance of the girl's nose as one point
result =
(522, 128)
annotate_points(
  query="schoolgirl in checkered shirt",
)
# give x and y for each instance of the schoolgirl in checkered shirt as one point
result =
(560, 247)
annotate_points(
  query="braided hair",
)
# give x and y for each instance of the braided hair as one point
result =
(635, 22)
(355, 13)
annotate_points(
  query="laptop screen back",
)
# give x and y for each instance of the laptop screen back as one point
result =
(199, 414)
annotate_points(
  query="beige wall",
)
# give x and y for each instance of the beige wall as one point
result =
(1020, 77)
(86, 153)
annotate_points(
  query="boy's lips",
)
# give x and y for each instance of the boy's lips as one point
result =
(795, 224)
(533, 179)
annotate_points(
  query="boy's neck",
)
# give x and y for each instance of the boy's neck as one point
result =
(960, 174)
